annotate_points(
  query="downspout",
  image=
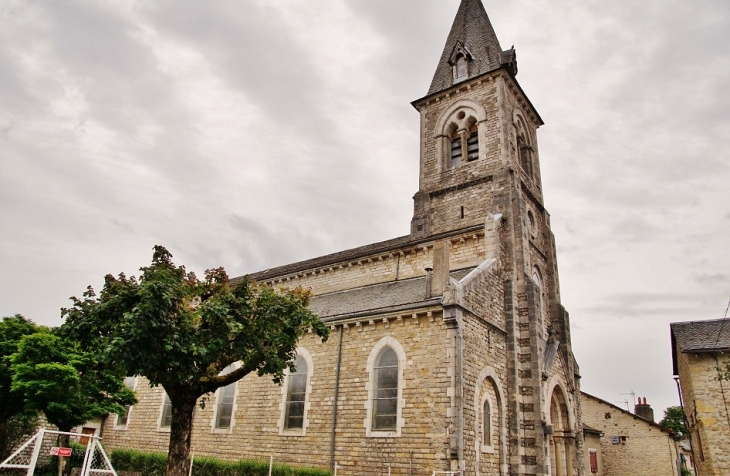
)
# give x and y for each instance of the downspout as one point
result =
(686, 424)
(334, 402)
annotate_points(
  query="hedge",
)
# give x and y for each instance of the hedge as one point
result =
(153, 464)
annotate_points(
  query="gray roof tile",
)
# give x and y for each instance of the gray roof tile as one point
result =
(376, 298)
(473, 30)
(702, 336)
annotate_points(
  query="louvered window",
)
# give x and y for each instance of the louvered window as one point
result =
(385, 397)
(472, 146)
(296, 394)
(455, 152)
(593, 454)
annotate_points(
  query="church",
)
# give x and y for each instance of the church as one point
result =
(450, 351)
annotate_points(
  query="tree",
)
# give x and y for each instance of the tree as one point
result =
(181, 333)
(674, 421)
(16, 421)
(66, 382)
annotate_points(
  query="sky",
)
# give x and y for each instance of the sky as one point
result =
(256, 133)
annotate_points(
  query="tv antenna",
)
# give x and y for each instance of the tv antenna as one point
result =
(633, 399)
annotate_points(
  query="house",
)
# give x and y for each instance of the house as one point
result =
(450, 348)
(629, 443)
(700, 359)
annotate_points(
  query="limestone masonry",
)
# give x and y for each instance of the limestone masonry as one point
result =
(450, 349)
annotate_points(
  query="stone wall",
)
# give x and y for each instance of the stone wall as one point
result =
(704, 398)
(256, 433)
(643, 448)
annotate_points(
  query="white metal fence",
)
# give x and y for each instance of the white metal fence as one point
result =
(40, 450)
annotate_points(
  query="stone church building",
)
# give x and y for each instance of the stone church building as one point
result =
(450, 349)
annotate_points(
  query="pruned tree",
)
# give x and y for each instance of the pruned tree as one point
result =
(181, 333)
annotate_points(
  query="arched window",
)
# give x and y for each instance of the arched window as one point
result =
(385, 396)
(486, 423)
(460, 68)
(296, 396)
(472, 144)
(165, 412)
(456, 150)
(226, 397)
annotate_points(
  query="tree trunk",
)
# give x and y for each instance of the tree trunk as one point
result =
(181, 429)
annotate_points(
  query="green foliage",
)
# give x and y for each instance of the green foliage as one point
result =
(723, 369)
(153, 464)
(65, 382)
(674, 422)
(14, 431)
(181, 332)
(12, 329)
(686, 472)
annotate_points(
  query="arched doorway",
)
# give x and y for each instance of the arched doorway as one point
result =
(562, 440)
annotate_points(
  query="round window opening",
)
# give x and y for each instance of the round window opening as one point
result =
(461, 115)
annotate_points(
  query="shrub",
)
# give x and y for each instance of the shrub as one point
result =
(153, 464)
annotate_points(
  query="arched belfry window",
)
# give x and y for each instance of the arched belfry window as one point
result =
(459, 134)
(525, 150)
(456, 150)
(472, 143)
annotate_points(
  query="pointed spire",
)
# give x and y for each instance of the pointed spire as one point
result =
(472, 37)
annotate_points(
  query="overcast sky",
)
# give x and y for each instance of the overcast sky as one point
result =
(255, 133)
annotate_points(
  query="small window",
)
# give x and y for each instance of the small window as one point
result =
(296, 395)
(385, 397)
(166, 417)
(593, 456)
(461, 69)
(487, 424)
(456, 152)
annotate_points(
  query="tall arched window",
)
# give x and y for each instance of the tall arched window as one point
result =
(486, 423)
(385, 396)
(225, 403)
(165, 412)
(296, 396)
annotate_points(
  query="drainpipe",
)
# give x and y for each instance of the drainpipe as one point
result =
(686, 424)
(429, 279)
(334, 402)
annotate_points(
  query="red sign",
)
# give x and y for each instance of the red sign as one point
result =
(55, 451)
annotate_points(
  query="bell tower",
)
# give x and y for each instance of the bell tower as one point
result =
(480, 159)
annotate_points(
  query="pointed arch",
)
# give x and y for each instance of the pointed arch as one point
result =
(498, 445)
(295, 393)
(385, 386)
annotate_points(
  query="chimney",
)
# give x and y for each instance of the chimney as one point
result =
(644, 410)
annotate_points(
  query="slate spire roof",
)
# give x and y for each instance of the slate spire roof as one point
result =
(473, 34)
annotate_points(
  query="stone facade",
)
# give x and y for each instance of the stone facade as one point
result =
(630, 445)
(699, 352)
(465, 311)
